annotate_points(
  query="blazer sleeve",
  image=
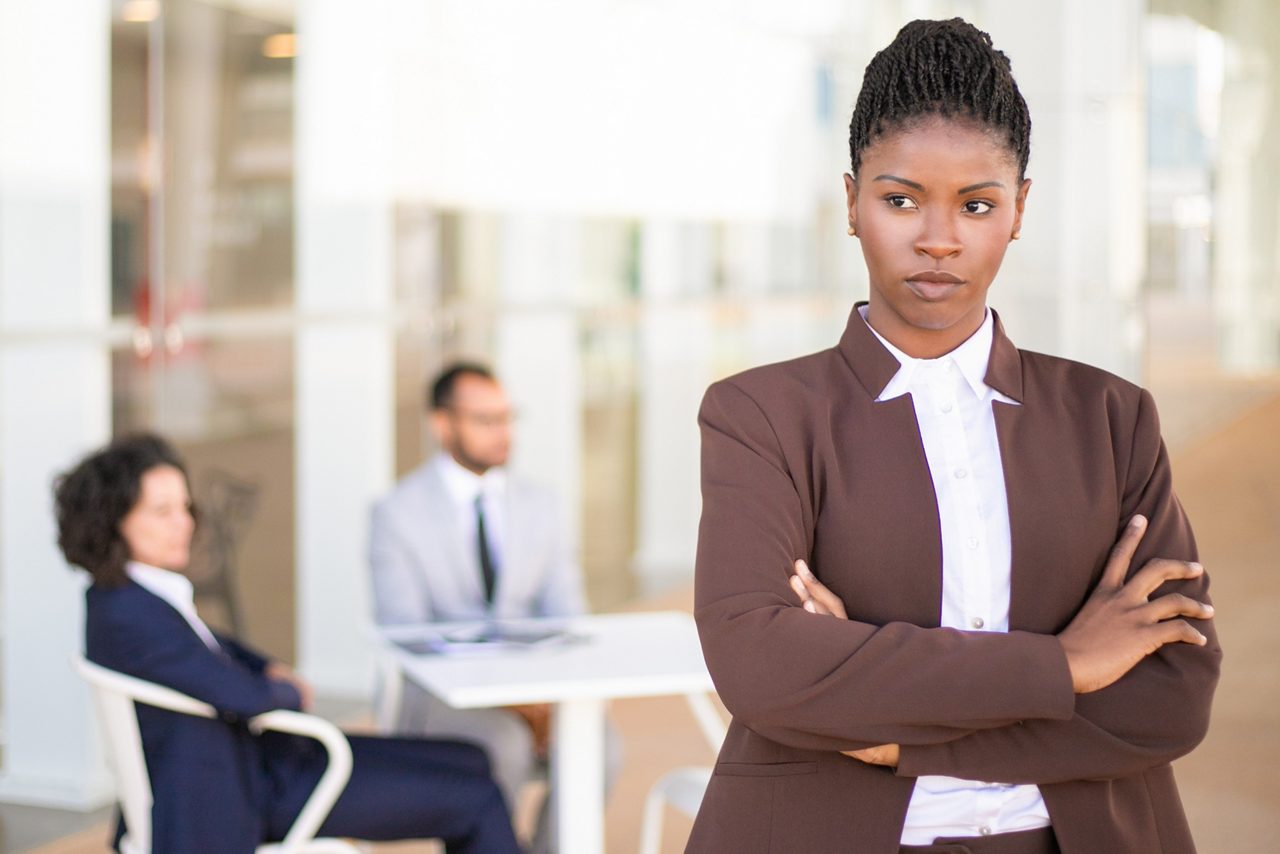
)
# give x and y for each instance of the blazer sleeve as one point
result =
(250, 658)
(399, 594)
(157, 645)
(828, 684)
(1155, 713)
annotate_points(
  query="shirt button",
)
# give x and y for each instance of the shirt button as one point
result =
(961, 474)
(946, 407)
(973, 542)
(984, 830)
(977, 622)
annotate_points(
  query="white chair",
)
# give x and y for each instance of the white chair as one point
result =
(115, 695)
(683, 788)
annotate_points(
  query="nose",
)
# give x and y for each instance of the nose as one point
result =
(938, 238)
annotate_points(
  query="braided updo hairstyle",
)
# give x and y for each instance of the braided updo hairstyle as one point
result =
(946, 68)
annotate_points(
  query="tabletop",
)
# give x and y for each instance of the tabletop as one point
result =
(603, 656)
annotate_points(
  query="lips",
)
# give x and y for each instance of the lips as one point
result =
(933, 285)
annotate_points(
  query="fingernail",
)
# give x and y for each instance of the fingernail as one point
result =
(808, 606)
(804, 568)
(1197, 568)
(796, 584)
(1203, 640)
(1138, 521)
(1208, 609)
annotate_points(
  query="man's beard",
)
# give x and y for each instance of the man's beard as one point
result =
(467, 461)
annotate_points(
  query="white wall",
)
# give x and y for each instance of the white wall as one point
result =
(54, 378)
(345, 399)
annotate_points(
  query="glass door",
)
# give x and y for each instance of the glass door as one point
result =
(202, 283)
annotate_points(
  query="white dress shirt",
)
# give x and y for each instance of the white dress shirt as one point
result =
(954, 410)
(464, 486)
(175, 589)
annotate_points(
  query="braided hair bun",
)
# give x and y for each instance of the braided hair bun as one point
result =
(940, 68)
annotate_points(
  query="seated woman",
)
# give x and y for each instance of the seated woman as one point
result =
(124, 515)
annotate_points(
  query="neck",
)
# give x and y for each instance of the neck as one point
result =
(469, 464)
(921, 342)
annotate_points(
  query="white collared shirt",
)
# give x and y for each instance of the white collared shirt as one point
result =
(464, 487)
(175, 589)
(954, 409)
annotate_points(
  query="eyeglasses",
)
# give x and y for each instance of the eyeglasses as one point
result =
(487, 420)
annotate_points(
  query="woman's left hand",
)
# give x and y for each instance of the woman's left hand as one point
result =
(816, 598)
(282, 672)
(814, 595)
(885, 754)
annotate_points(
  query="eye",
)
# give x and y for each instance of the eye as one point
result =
(977, 206)
(901, 202)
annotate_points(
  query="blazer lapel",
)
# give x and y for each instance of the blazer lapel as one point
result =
(444, 546)
(883, 473)
(514, 549)
(1038, 479)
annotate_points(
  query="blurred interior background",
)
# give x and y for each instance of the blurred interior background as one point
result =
(260, 226)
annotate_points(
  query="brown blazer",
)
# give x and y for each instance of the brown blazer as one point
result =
(800, 461)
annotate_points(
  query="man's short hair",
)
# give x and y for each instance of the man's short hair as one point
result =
(440, 394)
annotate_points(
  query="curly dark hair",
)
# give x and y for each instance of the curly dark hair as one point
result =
(92, 498)
(946, 68)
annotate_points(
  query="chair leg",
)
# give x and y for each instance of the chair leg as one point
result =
(651, 825)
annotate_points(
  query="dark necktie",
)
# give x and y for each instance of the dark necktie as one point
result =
(486, 558)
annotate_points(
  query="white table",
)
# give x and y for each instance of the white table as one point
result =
(615, 655)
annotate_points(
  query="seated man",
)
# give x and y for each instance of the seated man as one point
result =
(461, 538)
(124, 515)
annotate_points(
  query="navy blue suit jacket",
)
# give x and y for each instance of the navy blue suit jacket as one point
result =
(214, 782)
(219, 789)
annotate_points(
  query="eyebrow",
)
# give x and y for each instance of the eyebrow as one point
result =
(915, 186)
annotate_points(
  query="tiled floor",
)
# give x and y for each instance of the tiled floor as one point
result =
(1230, 485)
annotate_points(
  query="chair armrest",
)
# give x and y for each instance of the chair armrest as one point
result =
(709, 721)
(332, 781)
(141, 691)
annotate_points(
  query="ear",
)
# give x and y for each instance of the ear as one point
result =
(851, 199)
(440, 426)
(1019, 204)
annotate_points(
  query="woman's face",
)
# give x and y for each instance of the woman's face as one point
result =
(935, 204)
(158, 529)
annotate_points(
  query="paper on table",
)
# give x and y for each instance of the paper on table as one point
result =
(487, 640)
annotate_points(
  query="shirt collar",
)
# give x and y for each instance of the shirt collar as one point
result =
(170, 586)
(872, 365)
(971, 358)
(464, 485)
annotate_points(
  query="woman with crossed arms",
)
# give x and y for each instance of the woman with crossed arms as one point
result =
(943, 584)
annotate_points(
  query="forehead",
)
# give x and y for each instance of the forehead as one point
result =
(162, 482)
(942, 146)
(474, 390)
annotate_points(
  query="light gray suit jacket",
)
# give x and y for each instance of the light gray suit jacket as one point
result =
(424, 570)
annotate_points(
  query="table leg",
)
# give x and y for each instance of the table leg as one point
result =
(579, 775)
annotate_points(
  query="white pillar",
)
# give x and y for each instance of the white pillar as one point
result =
(1072, 285)
(677, 344)
(537, 354)
(344, 369)
(1246, 232)
(54, 378)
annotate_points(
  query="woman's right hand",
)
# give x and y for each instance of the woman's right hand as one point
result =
(814, 595)
(1120, 624)
(816, 598)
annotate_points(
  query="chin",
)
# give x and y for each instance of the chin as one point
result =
(936, 317)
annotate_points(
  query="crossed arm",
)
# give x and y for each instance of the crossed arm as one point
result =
(1126, 687)
(1118, 627)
